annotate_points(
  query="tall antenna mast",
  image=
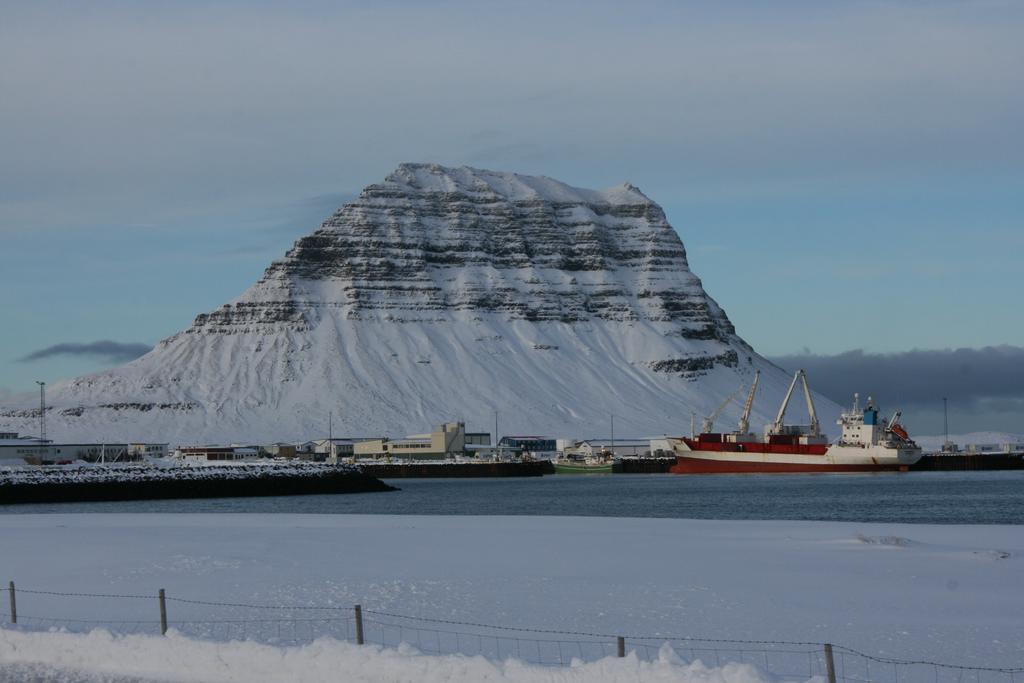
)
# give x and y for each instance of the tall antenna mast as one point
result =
(613, 433)
(42, 411)
(945, 421)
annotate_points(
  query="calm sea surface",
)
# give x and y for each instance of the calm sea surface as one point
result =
(920, 497)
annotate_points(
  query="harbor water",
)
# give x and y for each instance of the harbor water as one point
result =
(915, 497)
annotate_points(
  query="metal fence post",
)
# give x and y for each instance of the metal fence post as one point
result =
(163, 613)
(830, 663)
(359, 625)
(620, 646)
(14, 602)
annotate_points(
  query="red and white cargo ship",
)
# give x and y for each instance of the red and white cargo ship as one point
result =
(867, 444)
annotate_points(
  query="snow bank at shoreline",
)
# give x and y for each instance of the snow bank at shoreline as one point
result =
(946, 593)
(176, 658)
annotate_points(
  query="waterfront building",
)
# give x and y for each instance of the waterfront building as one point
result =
(333, 449)
(203, 454)
(147, 450)
(588, 448)
(537, 446)
(282, 450)
(447, 441)
(32, 451)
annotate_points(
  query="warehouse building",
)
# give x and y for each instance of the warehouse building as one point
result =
(447, 441)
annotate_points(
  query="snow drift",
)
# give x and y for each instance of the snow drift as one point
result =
(175, 658)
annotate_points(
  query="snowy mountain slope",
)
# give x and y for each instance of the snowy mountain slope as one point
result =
(444, 293)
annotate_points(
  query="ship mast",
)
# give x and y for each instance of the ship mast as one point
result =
(744, 425)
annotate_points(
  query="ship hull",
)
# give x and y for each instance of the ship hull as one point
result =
(562, 468)
(698, 457)
(698, 465)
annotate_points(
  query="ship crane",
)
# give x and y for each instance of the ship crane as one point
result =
(815, 427)
(745, 417)
(709, 422)
(896, 428)
(777, 426)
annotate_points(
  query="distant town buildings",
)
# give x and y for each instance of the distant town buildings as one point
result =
(447, 441)
(15, 449)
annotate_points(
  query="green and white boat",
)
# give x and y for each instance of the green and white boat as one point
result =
(594, 465)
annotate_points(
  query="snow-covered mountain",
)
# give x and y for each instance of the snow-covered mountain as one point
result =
(439, 294)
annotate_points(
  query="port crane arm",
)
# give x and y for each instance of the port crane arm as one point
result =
(896, 428)
(709, 422)
(815, 427)
(777, 425)
(744, 425)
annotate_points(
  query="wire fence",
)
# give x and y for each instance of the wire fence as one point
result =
(300, 624)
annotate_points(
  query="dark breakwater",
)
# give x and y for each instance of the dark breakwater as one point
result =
(261, 482)
(965, 462)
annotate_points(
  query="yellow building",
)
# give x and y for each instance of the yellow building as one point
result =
(446, 441)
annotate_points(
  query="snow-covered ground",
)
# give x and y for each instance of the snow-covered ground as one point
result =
(181, 659)
(945, 593)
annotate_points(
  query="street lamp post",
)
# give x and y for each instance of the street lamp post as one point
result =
(42, 412)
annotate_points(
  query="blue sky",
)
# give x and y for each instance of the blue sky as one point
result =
(844, 175)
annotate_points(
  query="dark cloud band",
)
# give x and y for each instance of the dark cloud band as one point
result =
(116, 352)
(985, 386)
(916, 377)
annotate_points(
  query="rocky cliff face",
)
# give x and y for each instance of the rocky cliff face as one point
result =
(443, 293)
(431, 240)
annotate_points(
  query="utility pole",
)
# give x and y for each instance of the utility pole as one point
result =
(42, 412)
(495, 429)
(613, 433)
(945, 422)
(330, 434)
